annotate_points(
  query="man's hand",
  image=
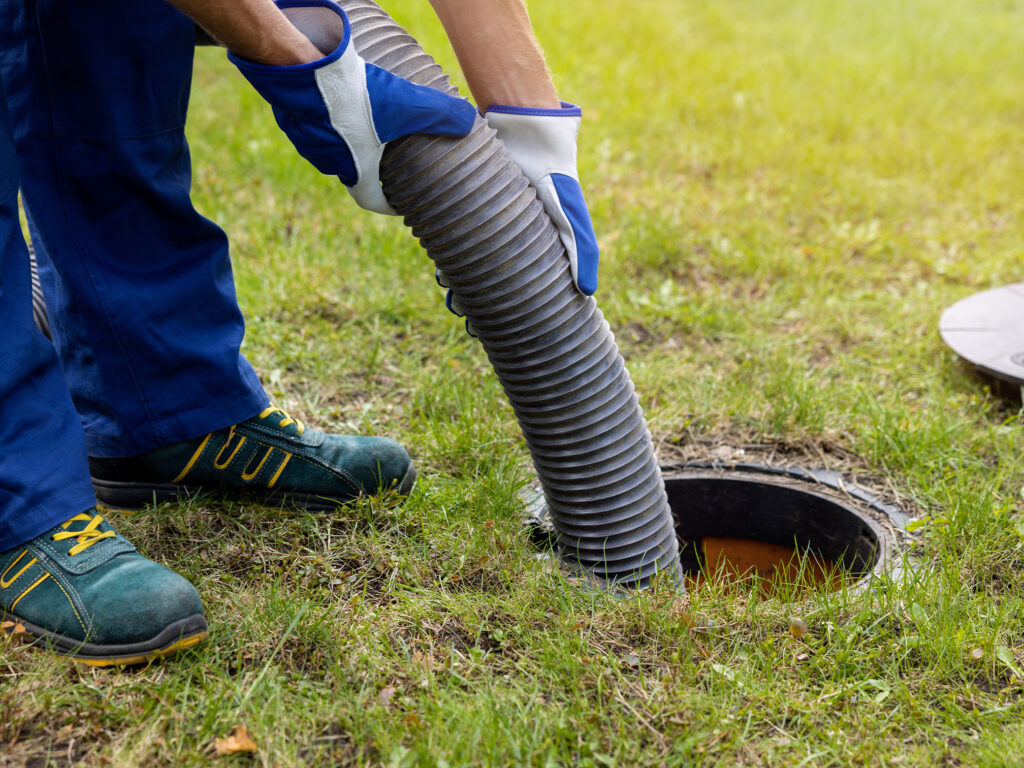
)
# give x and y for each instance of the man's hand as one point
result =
(340, 111)
(543, 144)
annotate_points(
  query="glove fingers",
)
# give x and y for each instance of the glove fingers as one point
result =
(368, 193)
(570, 195)
(400, 108)
(563, 200)
(453, 304)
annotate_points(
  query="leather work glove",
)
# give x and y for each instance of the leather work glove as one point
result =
(543, 144)
(340, 111)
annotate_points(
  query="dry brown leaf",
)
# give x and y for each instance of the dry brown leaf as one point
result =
(681, 610)
(17, 629)
(386, 694)
(426, 660)
(548, 566)
(235, 742)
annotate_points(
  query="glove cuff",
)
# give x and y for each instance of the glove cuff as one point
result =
(296, 92)
(256, 72)
(566, 110)
(541, 141)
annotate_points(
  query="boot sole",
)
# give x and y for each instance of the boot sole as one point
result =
(182, 634)
(132, 497)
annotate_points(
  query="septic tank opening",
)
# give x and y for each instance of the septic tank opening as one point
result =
(744, 525)
(785, 527)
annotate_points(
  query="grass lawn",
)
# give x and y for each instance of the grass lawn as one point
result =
(788, 195)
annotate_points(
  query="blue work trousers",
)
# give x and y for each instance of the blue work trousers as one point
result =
(44, 473)
(138, 284)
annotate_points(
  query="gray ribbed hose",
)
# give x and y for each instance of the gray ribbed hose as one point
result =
(554, 354)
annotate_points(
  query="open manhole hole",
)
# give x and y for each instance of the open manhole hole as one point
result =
(785, 527)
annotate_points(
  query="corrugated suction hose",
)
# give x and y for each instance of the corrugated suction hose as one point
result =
(554, 354)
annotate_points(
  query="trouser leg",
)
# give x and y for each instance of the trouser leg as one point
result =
(44, 477)
(139, 285)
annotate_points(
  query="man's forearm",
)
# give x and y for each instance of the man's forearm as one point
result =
(253, 29)
(498, 52)
(493, 40)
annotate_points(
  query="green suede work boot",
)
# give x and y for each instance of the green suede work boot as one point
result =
(83, 591)
(271, 458)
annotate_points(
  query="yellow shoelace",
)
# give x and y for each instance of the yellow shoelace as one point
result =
(286, 421)
(87, 536)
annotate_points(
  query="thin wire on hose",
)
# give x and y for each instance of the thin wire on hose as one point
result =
(39, 316)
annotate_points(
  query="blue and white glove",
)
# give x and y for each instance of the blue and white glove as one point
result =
(543, 144)
(340, 111)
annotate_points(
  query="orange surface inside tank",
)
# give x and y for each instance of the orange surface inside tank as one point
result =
(739, 561)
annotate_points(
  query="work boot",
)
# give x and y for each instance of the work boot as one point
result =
(271, 459)
(81, 590)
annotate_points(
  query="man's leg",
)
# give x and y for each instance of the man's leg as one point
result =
(138, 284)
(67, 580)
(44, 476)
